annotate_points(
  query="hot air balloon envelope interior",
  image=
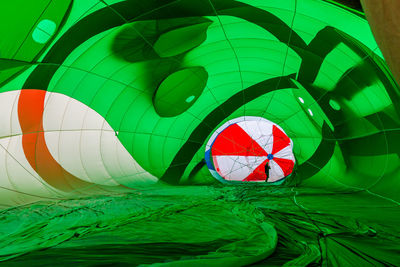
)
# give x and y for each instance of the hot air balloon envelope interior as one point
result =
(199, 133)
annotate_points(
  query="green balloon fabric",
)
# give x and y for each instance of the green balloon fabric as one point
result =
(108, 108)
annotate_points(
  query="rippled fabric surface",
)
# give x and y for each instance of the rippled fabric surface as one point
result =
(210, 226)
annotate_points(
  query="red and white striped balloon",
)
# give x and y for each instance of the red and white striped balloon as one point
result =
(241, 148)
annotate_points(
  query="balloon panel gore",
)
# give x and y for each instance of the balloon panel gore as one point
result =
(250, 149)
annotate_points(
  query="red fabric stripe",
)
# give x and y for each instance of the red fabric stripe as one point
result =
(234, 141)
(281, 140)
(258, 174)
(285, 164)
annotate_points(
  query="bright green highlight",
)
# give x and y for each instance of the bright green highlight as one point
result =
(335, 105)
(43, 31)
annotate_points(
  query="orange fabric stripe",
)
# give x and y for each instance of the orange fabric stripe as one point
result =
(30, 114)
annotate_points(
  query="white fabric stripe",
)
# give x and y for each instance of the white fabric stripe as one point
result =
(285, 153)
(260, 131)
(275, 173)
(86, 146)
(9, 122)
